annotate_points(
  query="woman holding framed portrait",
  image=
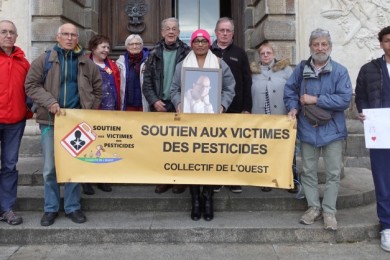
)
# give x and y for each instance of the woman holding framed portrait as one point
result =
(208, 87)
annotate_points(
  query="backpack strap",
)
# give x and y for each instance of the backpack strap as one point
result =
(301, 67)
(48, 65)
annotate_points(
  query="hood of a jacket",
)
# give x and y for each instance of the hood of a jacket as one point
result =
(277, 66)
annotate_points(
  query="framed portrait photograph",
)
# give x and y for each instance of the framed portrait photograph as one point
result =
(201, 90)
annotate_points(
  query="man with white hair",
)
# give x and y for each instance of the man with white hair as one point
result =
(73, 81)
(158, 74)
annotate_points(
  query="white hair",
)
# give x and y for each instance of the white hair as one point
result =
(60, 29)
(134, 36)
(8, 21)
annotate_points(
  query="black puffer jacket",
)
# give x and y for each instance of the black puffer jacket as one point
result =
(369, 85)
(154, 70)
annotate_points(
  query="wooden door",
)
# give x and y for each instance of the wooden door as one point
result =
(120, 18)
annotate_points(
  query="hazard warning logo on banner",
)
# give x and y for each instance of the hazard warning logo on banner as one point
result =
(77, 140)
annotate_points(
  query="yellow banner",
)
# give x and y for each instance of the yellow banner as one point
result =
(135, 147)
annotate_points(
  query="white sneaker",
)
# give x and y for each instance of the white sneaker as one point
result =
(385, 240)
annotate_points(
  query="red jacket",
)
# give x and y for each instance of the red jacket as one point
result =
(13, 71)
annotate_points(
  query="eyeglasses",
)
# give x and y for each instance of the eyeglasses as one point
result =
(134, 44)
(225, 31)
(67, 35)
(198, 42)
(6, 32)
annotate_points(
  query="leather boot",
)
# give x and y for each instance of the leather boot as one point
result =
(104, 187)
(161, 188)
(196, 202)
(87, 188)
(208, 210)
(177, 189)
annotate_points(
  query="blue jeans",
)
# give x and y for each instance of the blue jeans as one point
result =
(10, 138)
(52, 188)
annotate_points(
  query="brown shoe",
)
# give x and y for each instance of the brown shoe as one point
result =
(161, 188)
(177, 189)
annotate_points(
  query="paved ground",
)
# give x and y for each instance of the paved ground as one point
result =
(356, 251)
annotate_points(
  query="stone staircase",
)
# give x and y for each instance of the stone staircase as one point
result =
(134, 213)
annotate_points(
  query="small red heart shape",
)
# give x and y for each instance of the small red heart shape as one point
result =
(373, 138)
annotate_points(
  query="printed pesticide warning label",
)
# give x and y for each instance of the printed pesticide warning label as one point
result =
(78, 139)
(78, 143)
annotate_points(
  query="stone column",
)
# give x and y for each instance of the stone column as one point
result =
(272, 20)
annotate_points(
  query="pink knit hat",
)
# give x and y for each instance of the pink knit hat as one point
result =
(200, 33)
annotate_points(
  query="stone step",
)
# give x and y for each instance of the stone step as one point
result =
(355, 224)
(367, 250)
(31, 141)
(356, 189)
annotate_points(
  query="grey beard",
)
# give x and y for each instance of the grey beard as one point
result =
(320, 58)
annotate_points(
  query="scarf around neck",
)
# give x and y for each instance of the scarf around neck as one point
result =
(211, 61)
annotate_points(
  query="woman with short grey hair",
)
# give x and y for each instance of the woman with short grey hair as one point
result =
(131, 65)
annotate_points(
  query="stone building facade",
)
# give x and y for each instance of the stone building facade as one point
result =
(286, 23)
(353, 25)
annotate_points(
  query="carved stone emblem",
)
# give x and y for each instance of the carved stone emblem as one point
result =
(360, 20)
(135, 10)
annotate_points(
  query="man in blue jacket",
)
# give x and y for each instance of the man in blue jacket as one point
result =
(326, 84)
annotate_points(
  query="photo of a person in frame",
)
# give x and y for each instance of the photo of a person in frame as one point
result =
(197, 99)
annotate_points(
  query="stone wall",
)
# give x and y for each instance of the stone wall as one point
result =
(272, 20)
(287, 24)
(17, 11)
(38, 20)
(47, 16)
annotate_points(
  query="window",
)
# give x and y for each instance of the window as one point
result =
(195, 14)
